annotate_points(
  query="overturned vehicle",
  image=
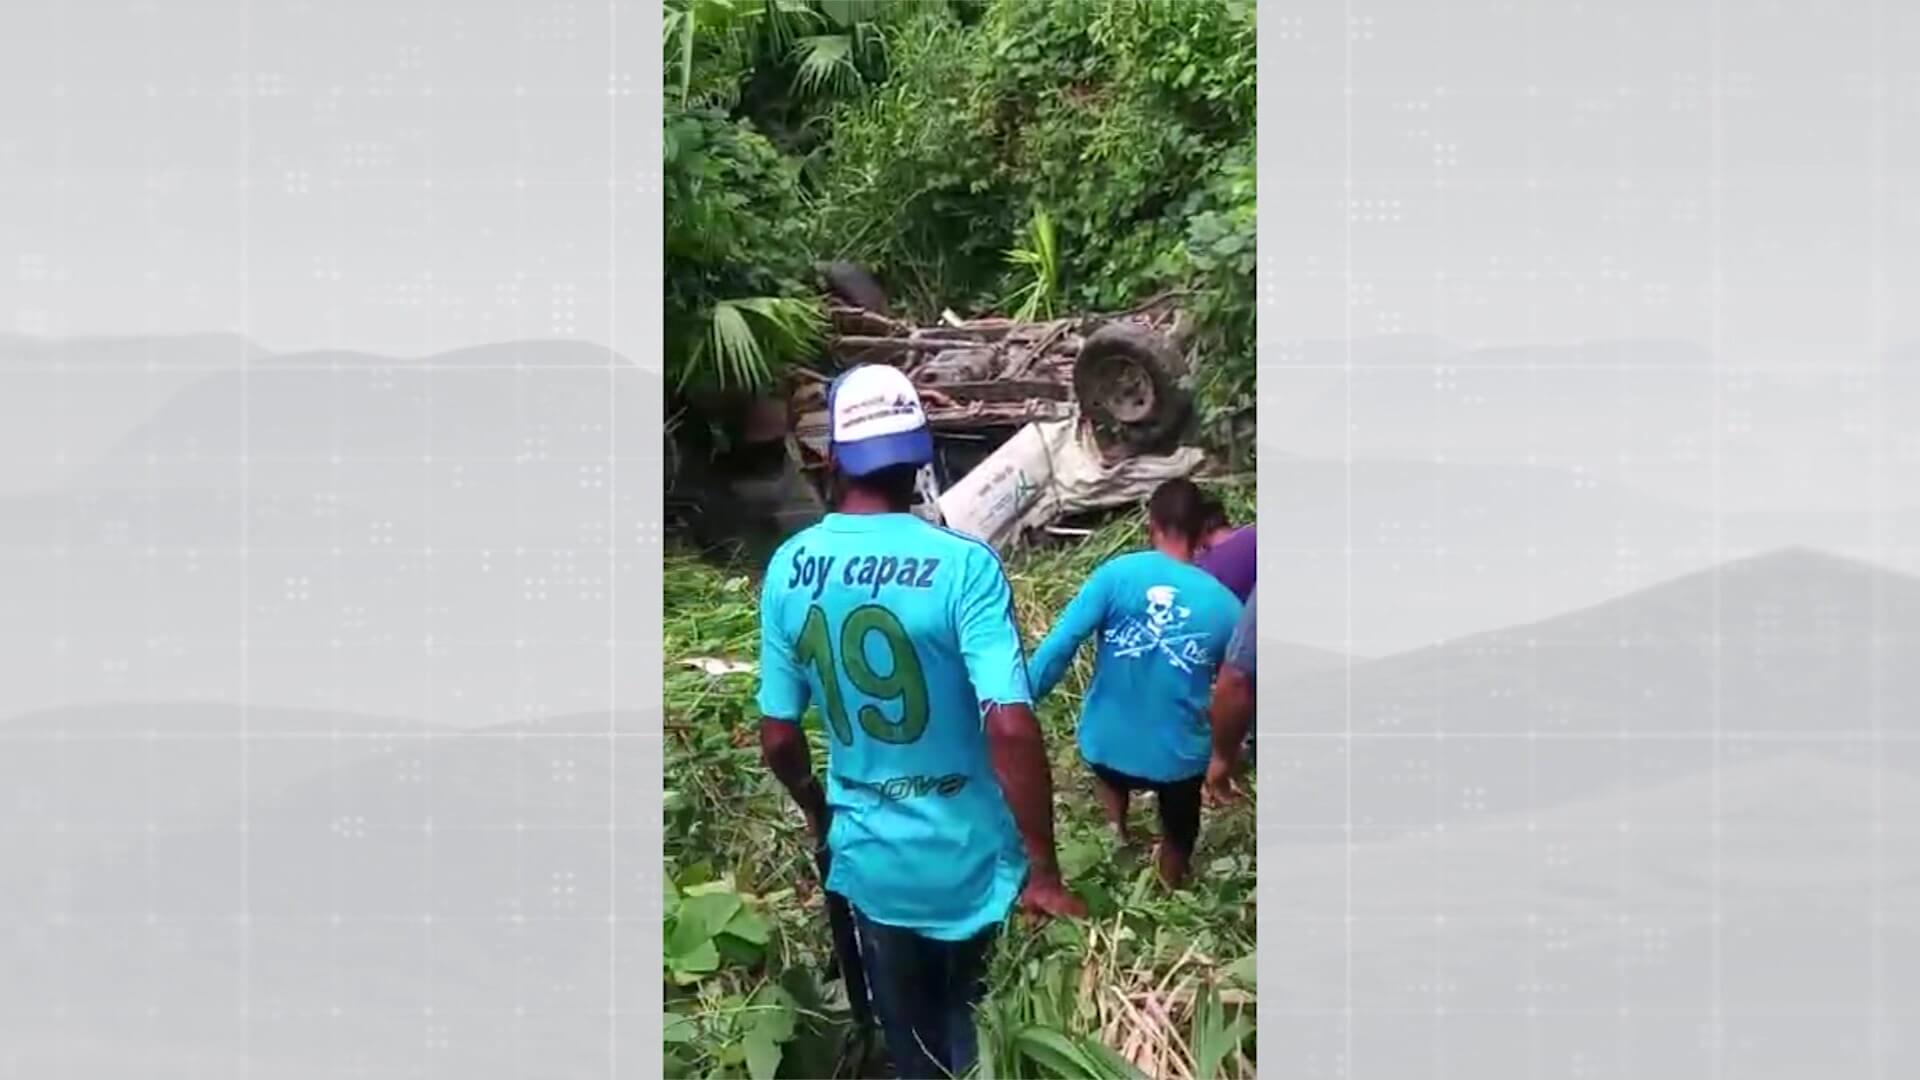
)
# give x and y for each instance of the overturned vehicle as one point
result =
(1032, 422)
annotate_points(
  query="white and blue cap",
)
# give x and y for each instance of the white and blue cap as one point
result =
(875, 421)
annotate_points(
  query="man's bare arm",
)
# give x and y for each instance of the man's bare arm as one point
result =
(1020, 759)
(1232, 711)
(783, 746)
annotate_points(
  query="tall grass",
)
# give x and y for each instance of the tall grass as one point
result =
(1038, 260)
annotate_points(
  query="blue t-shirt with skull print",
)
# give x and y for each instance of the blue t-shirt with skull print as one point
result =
(1162, 628)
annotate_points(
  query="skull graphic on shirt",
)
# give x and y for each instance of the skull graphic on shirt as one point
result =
(1163, 610)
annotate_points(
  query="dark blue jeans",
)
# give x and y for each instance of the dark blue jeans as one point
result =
(923, 995)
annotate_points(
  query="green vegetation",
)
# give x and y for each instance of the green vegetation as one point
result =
(986, 156)
(1077, 155)
(1154, 983)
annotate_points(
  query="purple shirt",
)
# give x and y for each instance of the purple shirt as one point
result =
(1233, 562)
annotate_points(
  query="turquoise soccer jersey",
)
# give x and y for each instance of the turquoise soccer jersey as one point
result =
(898, 633)
(1163, 626)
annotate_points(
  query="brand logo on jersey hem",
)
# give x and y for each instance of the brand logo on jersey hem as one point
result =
(899, 788)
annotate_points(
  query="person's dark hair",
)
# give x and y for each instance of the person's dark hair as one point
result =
(895, 484)
(1178, 507)
(1213, 516)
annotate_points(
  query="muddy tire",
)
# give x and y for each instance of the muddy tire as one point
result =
(854, 285)
(1127, 381)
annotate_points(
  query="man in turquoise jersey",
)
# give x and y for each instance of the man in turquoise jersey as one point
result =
(1163, 625)
(937, 813)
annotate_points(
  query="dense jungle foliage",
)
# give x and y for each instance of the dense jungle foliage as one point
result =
(1002, 156)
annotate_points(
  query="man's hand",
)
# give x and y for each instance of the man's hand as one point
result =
(813, 807)
(817, 833)
(1230, 714)
(784, 749)
(1046, 895)
(1220, 788)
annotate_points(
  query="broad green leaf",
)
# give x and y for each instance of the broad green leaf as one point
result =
(1245, 970)
(1110, 1058)
(678, 1029)
(701, 917)
(1143, 884)
(737, 951)
(689, 966)
(763, 1056)
(747, 926)
(988, 1063)
(1062, 934)
(1065, 1056)
(1215, 1039)
(1055, 1051)
(774, 1013)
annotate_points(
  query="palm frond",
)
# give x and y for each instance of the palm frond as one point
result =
(780, 23)
(790, 328)
(746, 339)
(733, 355)
(824, 63)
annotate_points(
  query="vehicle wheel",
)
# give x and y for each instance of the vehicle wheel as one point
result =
(1126, 380)
(853, 284)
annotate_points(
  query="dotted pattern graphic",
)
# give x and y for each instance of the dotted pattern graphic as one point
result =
(329, 540)
(1591, 542)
